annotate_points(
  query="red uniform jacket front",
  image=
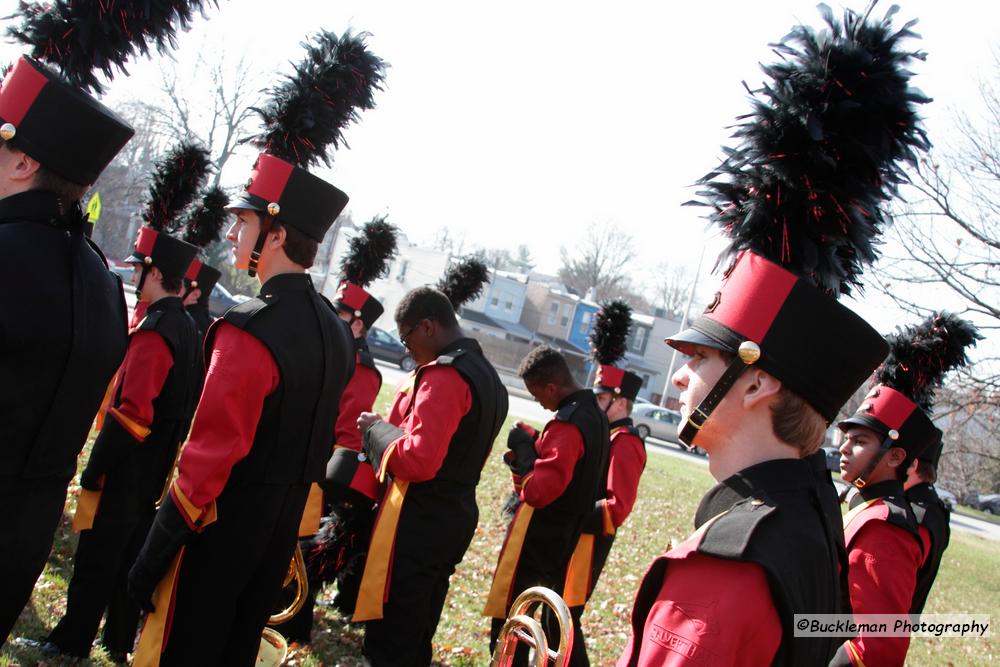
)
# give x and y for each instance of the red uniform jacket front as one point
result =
(884, 559)
(707, 611)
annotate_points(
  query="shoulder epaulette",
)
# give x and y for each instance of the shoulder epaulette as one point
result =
(565, 412)
(729, 535)
(365, 358)
(150, 321)
(634, 431)
(449, 359)
(241, 314)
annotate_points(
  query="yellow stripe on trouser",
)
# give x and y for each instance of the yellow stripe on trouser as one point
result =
(153, 636)
(503, 578)
(371, 594)
(86, 509)
(854, 655)
(309, 525)
(578, 572)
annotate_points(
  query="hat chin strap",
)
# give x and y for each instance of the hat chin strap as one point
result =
(142, 281)
(266, 222)
(704, 410)
(861, 480)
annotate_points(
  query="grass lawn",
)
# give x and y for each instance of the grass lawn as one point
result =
(969, 581)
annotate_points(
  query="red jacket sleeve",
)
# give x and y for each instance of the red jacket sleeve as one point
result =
(241, 374)
(401, 401)
(140, 380)
(625, 465)
(928, 542)
(439, 403)
(709, 611)
(359, 396)
(883, 562)
(559, 448)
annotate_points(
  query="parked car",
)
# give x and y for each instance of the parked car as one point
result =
(652, 420)
(989, 503)
(387, 347)
(222, 300)
(947, 497)
(832, 458)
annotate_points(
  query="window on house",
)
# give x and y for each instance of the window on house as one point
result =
(401, 274)
(509, 304)
(645, 380)
(494, 301)
(553, 312)
(639, 339)
(564, 320)
(585, 323)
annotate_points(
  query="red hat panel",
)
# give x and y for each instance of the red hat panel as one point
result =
(20, 89)
(889, 406)
(269, 177)
(192, 272)
(609, 376)
(352, 296)
(751, 296)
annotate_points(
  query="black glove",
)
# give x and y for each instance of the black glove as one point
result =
(377, 439)
(521, 457)
(113, 444)
(167, 535)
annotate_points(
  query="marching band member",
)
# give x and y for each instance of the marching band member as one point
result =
(775, 355)
(278, 364)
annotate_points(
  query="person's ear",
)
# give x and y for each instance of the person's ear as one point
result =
(895, 457)
(276, 237)
(24, 167)
(759, 386)
(155, 274)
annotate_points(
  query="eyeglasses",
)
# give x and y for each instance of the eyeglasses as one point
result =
(409, 333)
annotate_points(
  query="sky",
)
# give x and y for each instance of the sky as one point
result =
(524, 122)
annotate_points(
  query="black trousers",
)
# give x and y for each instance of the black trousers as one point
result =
(230, 577)
(32, 509)
(431, 541)
(104, 555)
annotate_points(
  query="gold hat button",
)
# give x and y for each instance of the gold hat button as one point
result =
(7, 131)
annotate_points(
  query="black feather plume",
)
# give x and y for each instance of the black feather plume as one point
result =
(83, 38)
(175, 182)
(610, 334)
(369, 252)
(310, 109)
(921, 355)
(464, 281)
(822, 150)
(205, 224)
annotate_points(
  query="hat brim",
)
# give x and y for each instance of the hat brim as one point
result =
(245, 204)
(864, 421)
(683, 340)
(134, 259)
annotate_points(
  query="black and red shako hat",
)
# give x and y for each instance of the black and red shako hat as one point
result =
(359, 303)
(64, 128)
(169, 254)
(894, 415)
(292, 195)
(817, 347)
(202, 276)
(617, 381)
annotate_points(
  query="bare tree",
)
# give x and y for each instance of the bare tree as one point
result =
(946, 249)
(223, 124)
(669, 289)
(122, 186)
(447, 241)
(599, 261)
